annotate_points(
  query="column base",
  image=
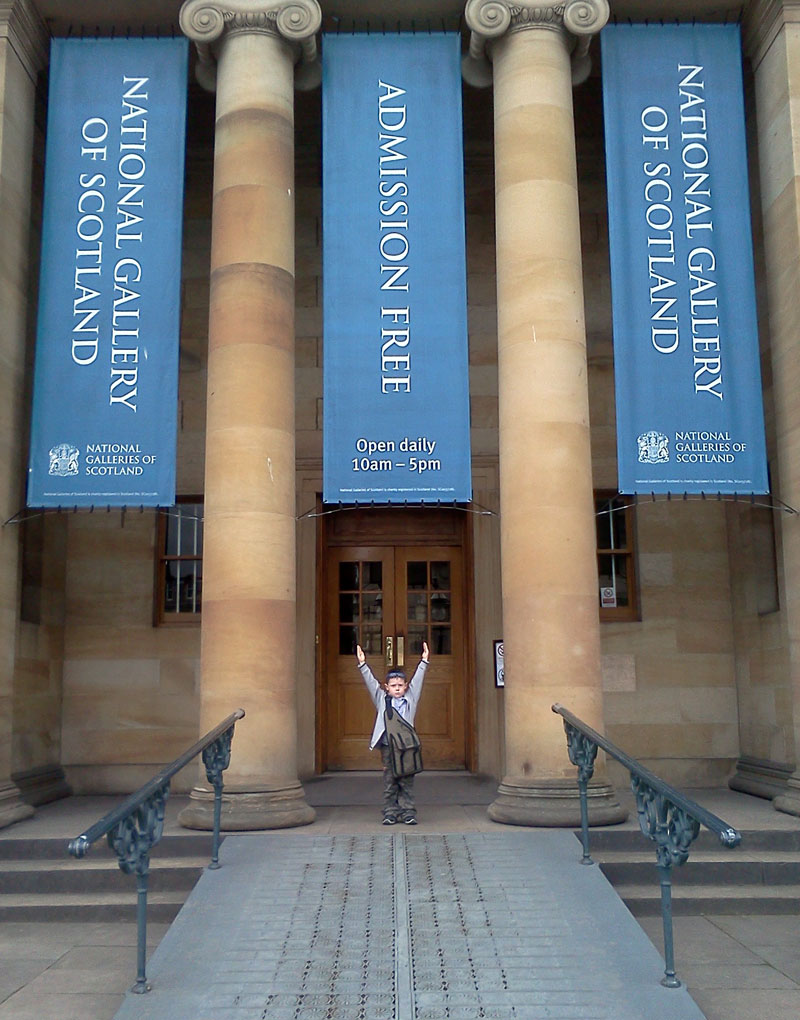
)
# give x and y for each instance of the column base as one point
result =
(267, 808)
(789, 800)
(554, 802)
(760, 778)
(42, 785)
(12, 807)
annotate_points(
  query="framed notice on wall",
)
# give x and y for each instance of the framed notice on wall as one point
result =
(499, 666)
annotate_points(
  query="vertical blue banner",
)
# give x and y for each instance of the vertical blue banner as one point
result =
(686, 361)
(396, 385)
(104, 418)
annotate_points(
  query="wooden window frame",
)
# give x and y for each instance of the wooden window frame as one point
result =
(162, 618)
(631, 612)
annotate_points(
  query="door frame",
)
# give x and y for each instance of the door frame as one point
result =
(395, 536)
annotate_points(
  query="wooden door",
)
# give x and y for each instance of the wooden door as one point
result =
(358, 606)
(389, 599)
(429, 606)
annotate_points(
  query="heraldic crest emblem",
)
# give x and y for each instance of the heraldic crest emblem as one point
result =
(64, 460)
(653, 448)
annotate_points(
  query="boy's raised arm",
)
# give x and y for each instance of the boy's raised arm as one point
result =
(373, 685)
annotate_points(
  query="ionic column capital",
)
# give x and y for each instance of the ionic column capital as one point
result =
(576, 20)
(206, 23)
(22, 26)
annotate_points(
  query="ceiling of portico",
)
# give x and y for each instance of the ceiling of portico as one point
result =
(161, 16)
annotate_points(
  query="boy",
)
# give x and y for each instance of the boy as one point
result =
(398, 793)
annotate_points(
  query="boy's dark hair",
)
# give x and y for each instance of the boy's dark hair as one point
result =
(395, 671)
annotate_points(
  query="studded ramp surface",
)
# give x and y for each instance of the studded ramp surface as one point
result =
(406, 927)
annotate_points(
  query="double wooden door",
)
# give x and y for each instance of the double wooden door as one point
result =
(389, 599)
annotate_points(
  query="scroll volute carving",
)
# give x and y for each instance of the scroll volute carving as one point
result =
(580, 20)
(297, 21)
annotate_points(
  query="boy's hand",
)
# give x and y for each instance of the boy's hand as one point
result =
(360, 657)
(425, 652)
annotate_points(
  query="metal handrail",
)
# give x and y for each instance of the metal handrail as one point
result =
(666, 816)
(136, 826)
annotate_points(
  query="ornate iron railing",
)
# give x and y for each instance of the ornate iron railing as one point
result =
(135, 827)
(668, 818)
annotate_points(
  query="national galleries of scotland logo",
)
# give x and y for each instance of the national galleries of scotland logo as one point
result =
(64, 460)
(653, 448)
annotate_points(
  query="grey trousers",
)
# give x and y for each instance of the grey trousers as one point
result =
(398, 794)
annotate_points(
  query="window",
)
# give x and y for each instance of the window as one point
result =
(614, 522)
(179, 566)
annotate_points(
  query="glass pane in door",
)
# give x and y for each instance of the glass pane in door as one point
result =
(417, 576)
(360, 606)
(428, 604)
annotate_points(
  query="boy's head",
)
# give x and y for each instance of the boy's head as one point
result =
(396, 682)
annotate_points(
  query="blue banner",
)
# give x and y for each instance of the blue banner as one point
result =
(686, 361)
(396, 386)
(104, 418)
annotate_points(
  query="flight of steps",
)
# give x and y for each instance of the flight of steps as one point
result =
(40, 881)
(760, 876)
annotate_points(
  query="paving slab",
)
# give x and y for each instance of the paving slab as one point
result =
(699, 941)
(749, 1004)
(67, 970)
(762, 931)
(734, 981)
(406, 926)
(32, 1004)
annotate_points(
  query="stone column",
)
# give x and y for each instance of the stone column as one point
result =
(773, 38)
(548, 554)
(23, 51)
(248, 619)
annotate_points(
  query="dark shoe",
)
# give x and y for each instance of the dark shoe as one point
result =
(388, 820)
(410, 820)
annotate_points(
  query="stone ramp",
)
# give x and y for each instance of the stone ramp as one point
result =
(406, 926)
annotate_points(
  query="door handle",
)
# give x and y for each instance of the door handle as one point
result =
(389, 650)
(401, 650)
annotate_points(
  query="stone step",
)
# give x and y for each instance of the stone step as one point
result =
(40, 880)
(645, 900)
(753, 840)
(705, 868)
(162, 907)
(52, 848)
(92, 875)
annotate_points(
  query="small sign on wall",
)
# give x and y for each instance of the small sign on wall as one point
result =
(499, 666)
(608, 598)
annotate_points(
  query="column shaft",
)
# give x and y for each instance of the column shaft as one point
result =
(550, 612)
(248, 624)
(22, 52)
(777, 76)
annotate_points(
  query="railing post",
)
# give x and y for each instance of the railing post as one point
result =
(214, 864)
(669, 980)
(585, 858)
(141, 985)
(673, 830)
(582, 753)
(216, 758)
(131, 840)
